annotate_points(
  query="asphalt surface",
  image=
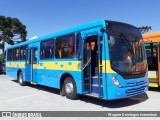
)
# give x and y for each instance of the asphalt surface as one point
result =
(14, 97)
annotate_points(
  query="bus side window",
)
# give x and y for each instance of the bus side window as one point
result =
(51, 53)
(60, 53)
(71, 46)
(47, 49)
(9, 54)
(56, 53)
(16, 53)
(35, 53)
(65, 46)
(23, 52)
(30, 53)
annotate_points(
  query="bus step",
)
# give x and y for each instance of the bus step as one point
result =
(153, 80)
(85, 92)
(86, 78)
(153, 85)
(95, 88)
(93, 95)
(33, 83)
(95, 80)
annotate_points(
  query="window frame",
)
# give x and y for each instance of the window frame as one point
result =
(78, 55)
(9, 55)
(74, 45)
(13, 58)
(53, 49)
(24, 48)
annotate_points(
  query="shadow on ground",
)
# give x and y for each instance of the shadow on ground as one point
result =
(41, 87)
(116, 103)
(154, 89)
(100, 102)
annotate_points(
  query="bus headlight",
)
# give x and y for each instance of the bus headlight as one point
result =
(115, 81)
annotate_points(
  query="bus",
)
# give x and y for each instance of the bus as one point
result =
(152, 46)
(103, 59)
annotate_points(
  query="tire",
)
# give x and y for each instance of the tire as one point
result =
(62, 93)
(21, 80)
(70, 89)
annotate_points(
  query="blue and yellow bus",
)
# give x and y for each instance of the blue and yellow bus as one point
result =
(103, 59)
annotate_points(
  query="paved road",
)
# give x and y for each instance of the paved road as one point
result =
(15, 97)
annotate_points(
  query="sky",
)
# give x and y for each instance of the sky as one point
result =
(43, 17)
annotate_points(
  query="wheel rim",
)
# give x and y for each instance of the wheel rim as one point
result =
(69, 88)
(20, 78)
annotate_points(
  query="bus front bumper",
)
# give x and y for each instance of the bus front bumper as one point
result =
(125, 92)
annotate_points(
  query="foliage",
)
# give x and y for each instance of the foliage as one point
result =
(145, 29)
(11, 31)
(2, 58)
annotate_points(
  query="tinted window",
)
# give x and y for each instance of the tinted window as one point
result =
(126, 48)
(35, 55)
(65, 46)
(16, 54)
(152, 59)
(47, 49)
(78, 45)
(9, 55)
(23, 55)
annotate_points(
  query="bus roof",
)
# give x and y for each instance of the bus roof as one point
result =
(100, 23)
(151, 37)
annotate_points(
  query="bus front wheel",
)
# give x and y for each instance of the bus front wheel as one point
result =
(21, 80)
(70, 89)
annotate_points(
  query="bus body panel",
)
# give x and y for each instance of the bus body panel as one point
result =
(27, 73)
(130, 87)
(52, 78)
(152, 44)
(49, 72)
(12, 68)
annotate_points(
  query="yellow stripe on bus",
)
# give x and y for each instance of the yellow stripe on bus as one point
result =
(108, 67)
(15, 64)
(60, 65)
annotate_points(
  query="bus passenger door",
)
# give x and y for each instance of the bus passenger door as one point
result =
(86, 67)
(34, 57)
(28, 66)
(31, 65)
(152, 53)
(92, 66)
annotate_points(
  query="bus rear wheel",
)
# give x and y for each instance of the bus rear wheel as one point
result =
(70, 89)
(21, 80)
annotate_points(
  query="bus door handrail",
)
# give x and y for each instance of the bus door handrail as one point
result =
(86, 64)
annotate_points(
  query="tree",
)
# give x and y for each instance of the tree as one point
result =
(2, 58)
(145, 29)
(11, 31)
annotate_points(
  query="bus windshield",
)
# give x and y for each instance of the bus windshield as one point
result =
(126, 48)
